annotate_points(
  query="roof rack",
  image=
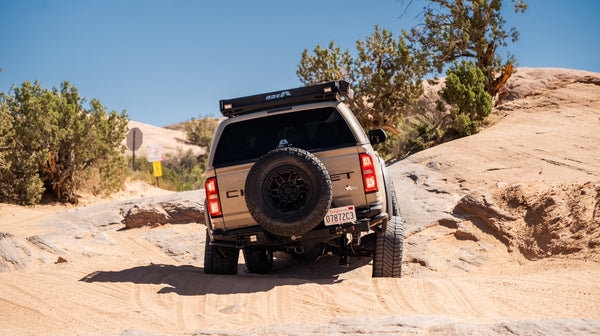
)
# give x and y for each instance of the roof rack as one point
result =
(330, 91)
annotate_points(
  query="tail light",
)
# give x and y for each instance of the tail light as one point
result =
(212, 198)
(368, 173)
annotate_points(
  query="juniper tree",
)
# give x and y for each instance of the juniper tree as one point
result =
(386, 78)
(471, 29)
(465, 92)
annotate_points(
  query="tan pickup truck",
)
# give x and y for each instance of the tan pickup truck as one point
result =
(294, 171)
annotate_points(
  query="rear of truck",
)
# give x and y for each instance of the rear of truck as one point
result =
(319, 128)
(294, 171)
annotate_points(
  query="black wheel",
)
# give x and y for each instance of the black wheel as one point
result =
(387, 261)
(258, 260)
(288, 191)
(220, 260)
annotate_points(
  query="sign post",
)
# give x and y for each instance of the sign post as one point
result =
(134, 142)
(155, 155)
(157, 169)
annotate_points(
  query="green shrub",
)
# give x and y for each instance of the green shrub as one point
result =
(56, 140)
(462, 125)
(421, 133)
(200, 131)
(180, 172)
(185, 171)
(465, 90)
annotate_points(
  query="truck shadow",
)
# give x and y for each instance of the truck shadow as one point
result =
(191, 280)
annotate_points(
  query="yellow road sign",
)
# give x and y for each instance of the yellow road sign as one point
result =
(157, 168)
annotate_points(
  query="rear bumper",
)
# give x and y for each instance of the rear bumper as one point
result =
(256, 236)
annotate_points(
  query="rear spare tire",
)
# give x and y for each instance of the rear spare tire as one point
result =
(288, 191)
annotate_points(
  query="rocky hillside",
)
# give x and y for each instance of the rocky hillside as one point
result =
(531, 180)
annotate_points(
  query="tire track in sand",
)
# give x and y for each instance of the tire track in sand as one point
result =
(45, 304)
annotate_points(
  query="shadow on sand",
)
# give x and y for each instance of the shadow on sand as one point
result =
(191, 280)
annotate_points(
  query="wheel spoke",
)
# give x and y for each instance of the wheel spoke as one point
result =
(278, 179)
(287, 189)
(294, 178)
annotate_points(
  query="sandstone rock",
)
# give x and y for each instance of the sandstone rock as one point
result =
(478, 209)
(232, 309)
(15, 253)
(182, 247)
(178, 208)
(463, 232)
(145, 215)
(421, 325)
(184, 211)
(43, 244)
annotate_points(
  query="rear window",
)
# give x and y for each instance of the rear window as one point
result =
(312, 130)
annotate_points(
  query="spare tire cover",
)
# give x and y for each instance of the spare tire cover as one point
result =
(288, 191)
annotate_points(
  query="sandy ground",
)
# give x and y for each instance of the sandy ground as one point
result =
(462, 266)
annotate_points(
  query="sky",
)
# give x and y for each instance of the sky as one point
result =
(166, 62)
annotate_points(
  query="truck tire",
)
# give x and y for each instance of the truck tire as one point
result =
(219, 259)
(288, 191)
(258, 259)
(387, 261)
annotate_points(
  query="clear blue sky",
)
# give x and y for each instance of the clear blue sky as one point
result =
(166, 62)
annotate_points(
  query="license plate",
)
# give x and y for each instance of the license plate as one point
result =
(340, 215)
